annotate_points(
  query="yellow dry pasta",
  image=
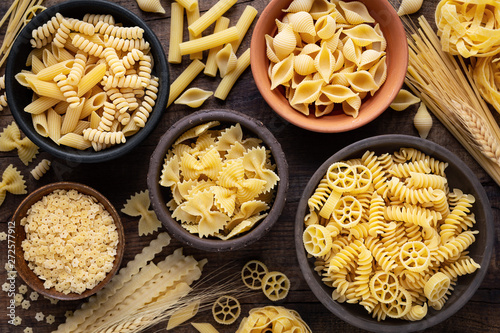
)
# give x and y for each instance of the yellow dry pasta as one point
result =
(252, 274)
(211, 66)
(209, 17)
(153, 6)
(394, 242)
(184, 79)
(209, 41)
(275, 285)
(227, 83)
(243, 24)
(226, 310)
(138, 205)
(422, 121)
(403, 100)
(176, 30)
(183, 314)
(204, 328)
(10, 139)
(409, 7)
(271, 318)
(194, 97)
(40, 169)
(12, 182)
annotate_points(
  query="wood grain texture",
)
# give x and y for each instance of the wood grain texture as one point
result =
(305, 151)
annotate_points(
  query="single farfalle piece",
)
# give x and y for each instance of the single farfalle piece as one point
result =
(10, 139)
(200, 206)
(255, 161)
(138, 205)
(194, 97)
(12, 182)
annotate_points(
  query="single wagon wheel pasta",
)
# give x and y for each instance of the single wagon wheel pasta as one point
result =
(275, 285)
(347, 212)
(437, 286)
(384, 287)
(400, 306)
(226, 310)
(317, 240)
(415, 256)
(252, 274)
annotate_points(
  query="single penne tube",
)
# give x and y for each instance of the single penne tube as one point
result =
(188, 4)
(243, 24)
(193, 15)
(211, 66)
(183, 80)
(61, 54)
(176, 30)
(48, 58)
(210, 16)
(229, 80)
(80, 126)
(44, 88)
(36, 65)
(61, 107)
(131, 128)
(90, 79)
(48, 73)
(34, 53)
(23, 76)
(41, 105)
(94, 120)
(183, 314)
(93, 103)
(40, 124)
(209, 41)
(54, 122)
(75, 141)
(71, 117)
(204, 327)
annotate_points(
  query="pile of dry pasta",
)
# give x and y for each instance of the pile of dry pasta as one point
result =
(389, 233)
(92, 81)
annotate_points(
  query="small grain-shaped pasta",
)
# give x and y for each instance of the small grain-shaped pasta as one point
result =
(40, 169)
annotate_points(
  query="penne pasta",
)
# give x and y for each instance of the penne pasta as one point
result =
(209, 41)
(210, 16)
(36, 65)
(93, 103)
(204, 328)
(90, 79)
(41, 105)
(176, 31)
(229, 80)
(186, 77)
(71, 117)
(243, 25)
(49, 73)
(44, 88)
(211, 66)
(75, 141)
(40, 124)
(54, 122)
(183, 314)
(80, 126)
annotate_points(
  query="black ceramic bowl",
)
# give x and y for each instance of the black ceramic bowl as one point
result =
(161, 195)
(19, 96)
(459, 176)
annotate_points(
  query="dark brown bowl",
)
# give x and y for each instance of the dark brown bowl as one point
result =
(372, 107)
(459, 176)
(28, 275)
(19, 96)
(160, 196)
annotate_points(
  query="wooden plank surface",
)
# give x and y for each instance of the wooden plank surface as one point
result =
(305, 151)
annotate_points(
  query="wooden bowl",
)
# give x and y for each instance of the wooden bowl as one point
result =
(27, 274)
(397, 62)
(19, 96)
(160, 195)
(459, 176)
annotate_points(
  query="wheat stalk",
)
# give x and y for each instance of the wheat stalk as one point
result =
(479, 130)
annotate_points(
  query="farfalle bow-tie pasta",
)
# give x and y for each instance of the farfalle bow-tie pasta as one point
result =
(328, 54)
(222, 182)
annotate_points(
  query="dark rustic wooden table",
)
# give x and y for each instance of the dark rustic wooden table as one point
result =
(305, 151)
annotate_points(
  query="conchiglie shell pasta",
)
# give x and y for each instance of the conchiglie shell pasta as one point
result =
(311, 50)
(304, 64)
(299, 6)
(369, 58)
(351, 106)
(226, 60)
(333, 42)
(321, 8)
(271, 54)
(422, 121)
(324, 63)
(361, 81)
(378, 46)
(302, 22)
(403, 100)
(339, 60)
(325, 27)
(409, 7)
(351, 51)
(363, 35)
(282, 72)
(339, 79)
(322, 109)
(355, 12)
(337, 93)
(194, 97)
(284, 42)
(379, 72)
(307, 92)
(153, 6)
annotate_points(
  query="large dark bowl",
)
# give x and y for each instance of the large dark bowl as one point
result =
(160, 195)
(19, 96)
(28, 275)
(459, 176)
(371, 107)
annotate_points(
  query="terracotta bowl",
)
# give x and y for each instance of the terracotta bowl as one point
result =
(161, 195)
(22, 268)
(19, 96)
(337, 121)
(459, 176)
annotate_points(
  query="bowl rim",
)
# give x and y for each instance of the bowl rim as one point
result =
(248, 124)
(160, 68)
(339, 309)
(36, 196)
(274, 100)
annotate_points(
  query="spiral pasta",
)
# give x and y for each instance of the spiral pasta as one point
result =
(87, 46)
(67, 89)
(98, 136)
(96, 18)
(45, 33)
(40, 169)
(147, 105)
(126, 45)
